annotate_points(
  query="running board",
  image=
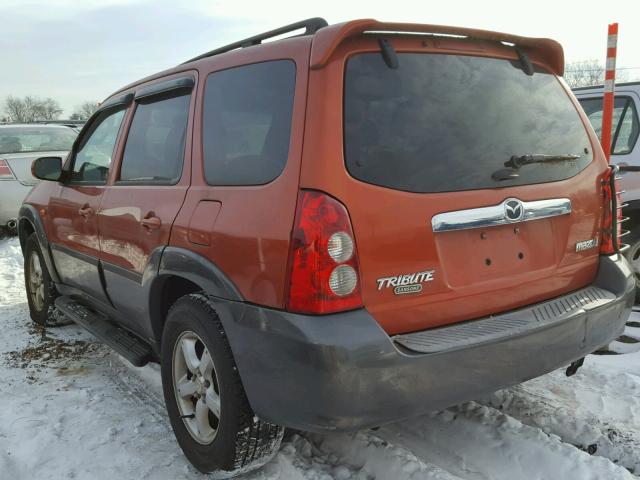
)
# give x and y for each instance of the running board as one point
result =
(123, 342)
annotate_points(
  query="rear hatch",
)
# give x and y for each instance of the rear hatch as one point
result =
(444, 233)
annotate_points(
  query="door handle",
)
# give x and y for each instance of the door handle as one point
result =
(151, 223)
(85, 211)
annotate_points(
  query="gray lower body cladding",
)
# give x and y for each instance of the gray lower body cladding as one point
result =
(342, 372)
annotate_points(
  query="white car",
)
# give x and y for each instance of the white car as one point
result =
(20, 144)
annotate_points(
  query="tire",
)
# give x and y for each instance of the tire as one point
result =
(41, 291)
(633, 255)
(235, 441)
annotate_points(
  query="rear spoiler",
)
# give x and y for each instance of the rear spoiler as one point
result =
(327, 39)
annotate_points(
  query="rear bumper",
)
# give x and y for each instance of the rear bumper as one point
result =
(12, 194)
(343, 372)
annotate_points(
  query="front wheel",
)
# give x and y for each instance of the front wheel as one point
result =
(41, 292)
(207, 405)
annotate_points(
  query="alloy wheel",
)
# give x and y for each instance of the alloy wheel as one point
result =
(36, 282)
(196, 387)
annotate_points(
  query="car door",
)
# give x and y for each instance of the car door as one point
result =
(148, 189)
(73, 223)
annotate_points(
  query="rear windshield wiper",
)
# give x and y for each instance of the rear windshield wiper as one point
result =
(517, 161)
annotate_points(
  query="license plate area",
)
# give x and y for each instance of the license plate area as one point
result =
(481, 254)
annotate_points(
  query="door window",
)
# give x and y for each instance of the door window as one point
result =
(625, 128)
(154, 151)
(95, 151)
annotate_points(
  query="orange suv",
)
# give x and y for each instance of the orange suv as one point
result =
(356, 224)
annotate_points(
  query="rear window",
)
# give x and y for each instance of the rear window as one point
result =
(443, 123)
(36, 139)
(247, 123)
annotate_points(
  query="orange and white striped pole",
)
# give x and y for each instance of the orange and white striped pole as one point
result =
(609, 88)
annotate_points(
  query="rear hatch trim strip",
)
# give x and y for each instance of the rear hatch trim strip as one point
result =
(509, 211)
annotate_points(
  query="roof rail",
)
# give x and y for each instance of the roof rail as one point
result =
(311, 26)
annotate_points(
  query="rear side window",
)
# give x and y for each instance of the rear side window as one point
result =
(154, 151)
(247, 123)
(443, 123)
(625, 122)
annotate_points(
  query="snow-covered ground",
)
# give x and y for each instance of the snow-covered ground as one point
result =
(69, 408)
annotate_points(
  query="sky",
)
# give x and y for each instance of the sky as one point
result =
(83, 50)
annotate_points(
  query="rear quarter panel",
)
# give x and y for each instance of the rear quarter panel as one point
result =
(248, 239)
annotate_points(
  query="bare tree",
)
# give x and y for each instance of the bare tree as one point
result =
(31, 109)
(84, 110)
(585, 73)
(48, 109)
(15, 109)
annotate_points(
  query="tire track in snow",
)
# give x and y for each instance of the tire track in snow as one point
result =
(477, 442)
(136, 389)
(367, 455)
(585, 410)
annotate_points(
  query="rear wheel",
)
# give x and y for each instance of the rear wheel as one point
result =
(207, 406)
(41, 292)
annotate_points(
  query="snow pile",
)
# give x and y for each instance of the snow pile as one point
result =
(70, 408)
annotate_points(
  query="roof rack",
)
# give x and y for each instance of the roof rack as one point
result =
(311, 26)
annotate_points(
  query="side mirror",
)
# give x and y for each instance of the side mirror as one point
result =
(47, 168)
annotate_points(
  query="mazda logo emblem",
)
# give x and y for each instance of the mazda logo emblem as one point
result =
(513, 209)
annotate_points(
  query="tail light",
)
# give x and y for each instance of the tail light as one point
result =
(324, 273)
(612, 221)
(5, 171)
